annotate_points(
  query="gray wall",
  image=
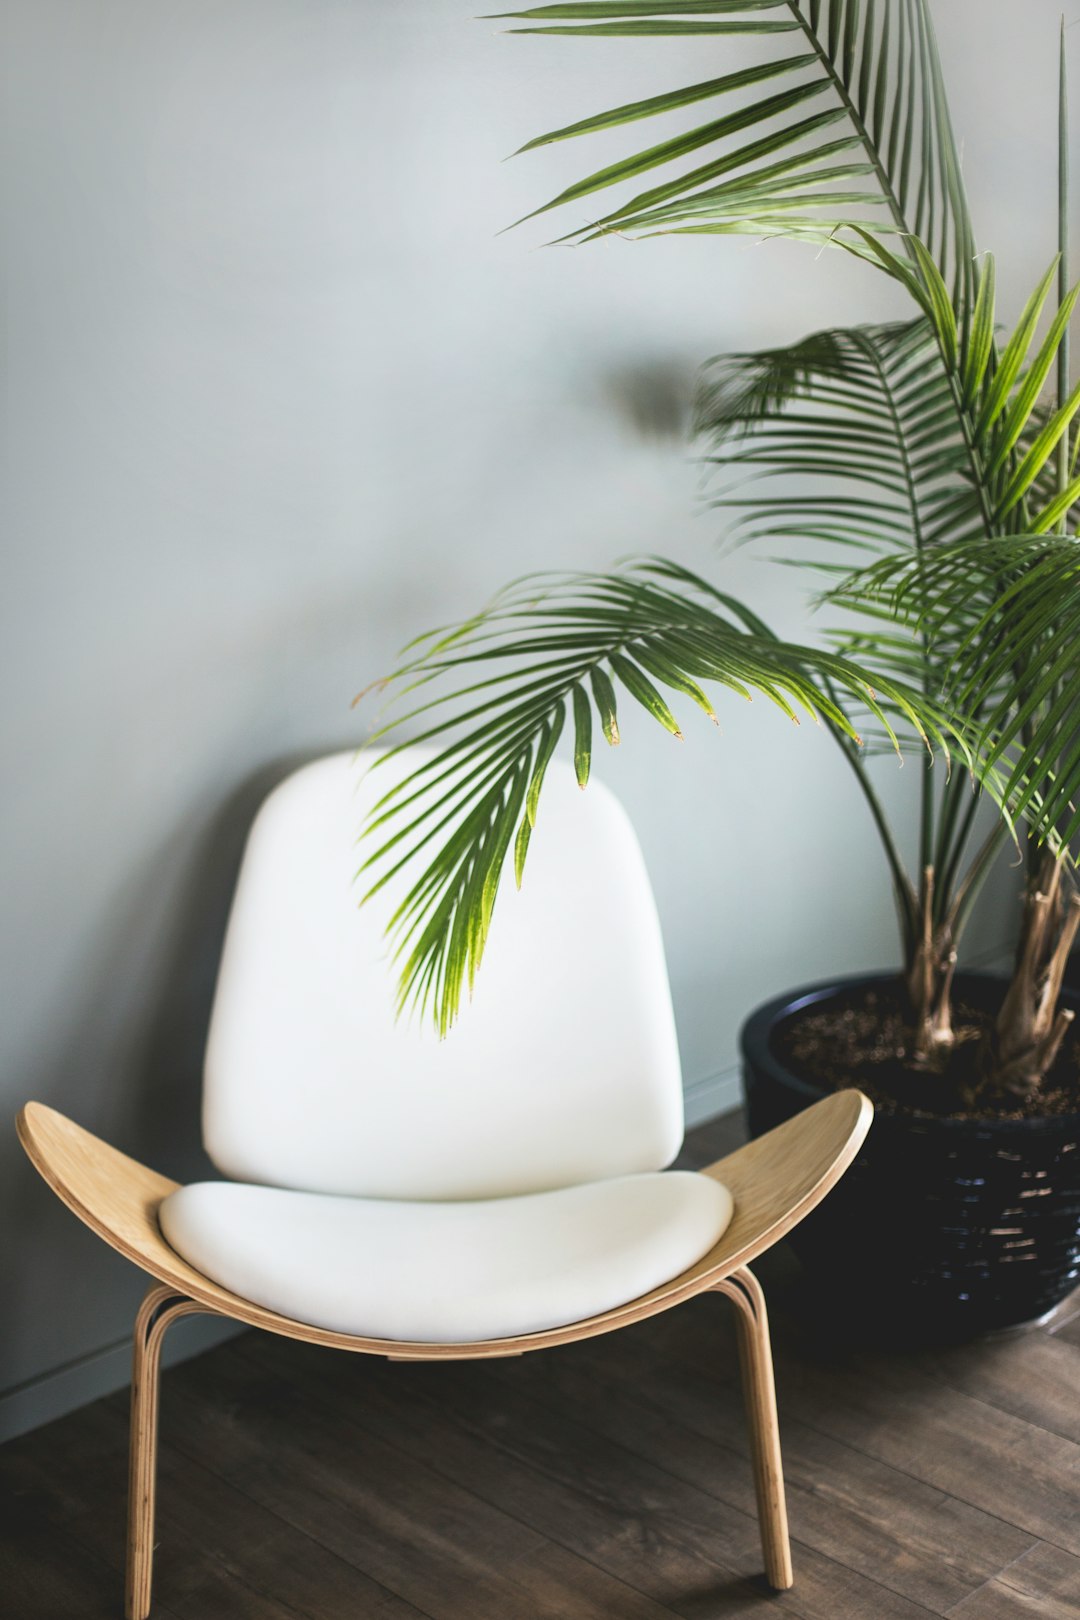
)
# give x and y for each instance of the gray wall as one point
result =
(278, 397)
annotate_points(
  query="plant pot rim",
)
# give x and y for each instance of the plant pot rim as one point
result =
(756, 1046)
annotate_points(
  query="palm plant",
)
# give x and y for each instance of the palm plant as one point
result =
(919, 464)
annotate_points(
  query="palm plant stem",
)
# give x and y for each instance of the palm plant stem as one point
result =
(926, 816)
(906, 898)
(968, 890)
(1030, 1027)
(951, 847)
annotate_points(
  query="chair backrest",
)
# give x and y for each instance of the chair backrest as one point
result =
(563, 1068)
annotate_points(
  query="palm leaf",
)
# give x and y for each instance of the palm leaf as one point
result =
(875, 65)
(930, 452)
(861, 424)
(494, 694)
(1009, 608)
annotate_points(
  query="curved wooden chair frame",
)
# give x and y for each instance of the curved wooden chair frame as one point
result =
(775, 1182)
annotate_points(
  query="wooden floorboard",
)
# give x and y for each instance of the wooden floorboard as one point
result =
(1034, 1376)
(608, 1478)
(892, 1529)
(1044, 1583)
(1068, 1331)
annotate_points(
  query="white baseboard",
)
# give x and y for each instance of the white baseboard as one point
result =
(716, 1094)
(54, 1394)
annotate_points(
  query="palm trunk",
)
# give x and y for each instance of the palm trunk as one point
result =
(929, 977)
(1026, 1038)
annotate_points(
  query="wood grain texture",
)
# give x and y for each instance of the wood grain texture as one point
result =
(966, 1447)
(775, 1182)
(219, 1552)
(610, 1478)
(1067, 1328)
(46, 1576)
(759, 1392)
(407, 1515)
(1033, 1376)
(158, 1311)
(681, 1547)
(876, 1520)
(1042, 1585)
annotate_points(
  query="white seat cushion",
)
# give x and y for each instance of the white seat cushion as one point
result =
(447, 1273)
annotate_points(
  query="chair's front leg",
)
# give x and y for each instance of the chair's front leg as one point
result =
(159, 1310)
(755, 1359)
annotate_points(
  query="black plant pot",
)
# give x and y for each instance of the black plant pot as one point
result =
(943, 1228)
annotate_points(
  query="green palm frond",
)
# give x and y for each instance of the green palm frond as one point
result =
(909, 434)
(926, 451)
(848, 439)
(851, 125)
(847, 445)
(1013, 437)
(558, 654)
(1005, 606)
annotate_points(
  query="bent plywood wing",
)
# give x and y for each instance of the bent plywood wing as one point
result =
(775, 1182)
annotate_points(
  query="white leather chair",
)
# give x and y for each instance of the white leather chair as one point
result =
(486, 1195)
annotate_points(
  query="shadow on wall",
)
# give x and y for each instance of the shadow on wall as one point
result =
(653, 397)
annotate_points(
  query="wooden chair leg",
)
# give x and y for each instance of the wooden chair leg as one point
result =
(759, 1390)
(161, 1307)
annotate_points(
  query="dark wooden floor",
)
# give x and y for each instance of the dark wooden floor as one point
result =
(604, 1479)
